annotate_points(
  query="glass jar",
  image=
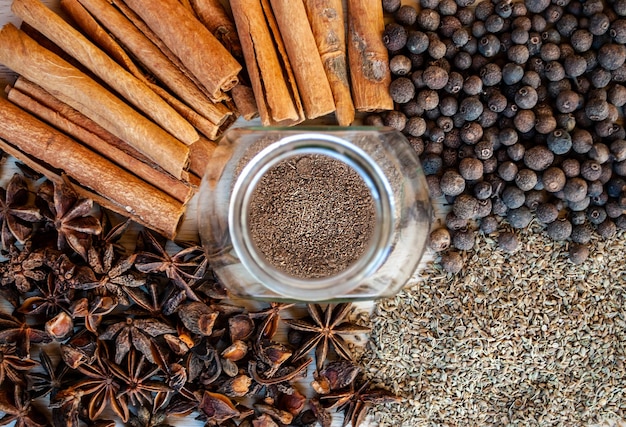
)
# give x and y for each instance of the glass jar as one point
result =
(314, 213)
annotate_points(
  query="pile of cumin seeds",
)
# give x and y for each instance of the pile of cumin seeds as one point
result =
(520, 339)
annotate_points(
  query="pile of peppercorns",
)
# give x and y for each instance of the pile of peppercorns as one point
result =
(514, 109)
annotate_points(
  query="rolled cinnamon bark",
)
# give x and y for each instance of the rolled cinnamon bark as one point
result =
(327, 22)
(270, 73)
(368, 58)
(163, 181)
(131, 195)
(24, 56)
(201, 152)
(213, 15)
(201, 53)
(317, 98)
(37, 15)
(147, 53)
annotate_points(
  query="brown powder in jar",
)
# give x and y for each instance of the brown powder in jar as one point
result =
(311, 216)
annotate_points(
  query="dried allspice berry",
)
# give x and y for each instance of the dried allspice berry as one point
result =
(578, 253)
(508, 241)
(440, 239)
(452, 262)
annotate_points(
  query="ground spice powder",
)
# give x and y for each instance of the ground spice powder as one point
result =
(311, 216)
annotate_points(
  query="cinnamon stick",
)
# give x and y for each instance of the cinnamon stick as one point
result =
(214, 16)
(327, 22)
(24, 56)
(138, 199)
(367, 56)
(75, 44)
(243, 96)
(270, 74)
(201, 152)
(146, 52)
(165, 182)
(195, 46)
(41, 96)
(315, 92)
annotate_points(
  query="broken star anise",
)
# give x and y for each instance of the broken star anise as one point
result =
(16, 216)
(327, 327)
(50, 381)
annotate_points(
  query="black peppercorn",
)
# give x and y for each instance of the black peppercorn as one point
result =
(391, 6)
(547, 213)
(406, 15)
(400, 65)
(427, 99)
(575, 189)
(553, 179)
(567, 101)
(581, 40)
(489, 224)
(428, 19)
(471, 108)
(440, 239)
(513, 197)
(599, 152)
(402, 90)
(465, 206)
(538, 158)
(471, 169)
(417, 42)
(433, 186)
(559, 230)
(452, 183)
(464, 240)
(578, 254)
(435, 77)
(394, 36)
(452, 262)
(524, 120)
(489, 45)
(606, 229)
(570, 167)
(520, 217)
(526, 179)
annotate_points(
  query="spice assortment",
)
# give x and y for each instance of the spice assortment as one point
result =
(148, 335)
(516, 111)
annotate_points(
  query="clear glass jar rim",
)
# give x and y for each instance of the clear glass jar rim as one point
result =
(296, 145)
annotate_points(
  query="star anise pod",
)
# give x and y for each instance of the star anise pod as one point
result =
(23, 269)
(50, 381)
(148, 418)
(102, 386)
(51, 298)
(115, 278)
(355, 402)
(156, 259)
(139, 383)
(16, 405)
(69, 215)
(13, 367)
(328, 327)
(18, 332)
(154, 302)
(66, 406)
(16, 216)
(135, 332)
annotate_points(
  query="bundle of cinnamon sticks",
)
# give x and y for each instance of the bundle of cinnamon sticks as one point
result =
(302, 65)
(125, 100)
(127, 97)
